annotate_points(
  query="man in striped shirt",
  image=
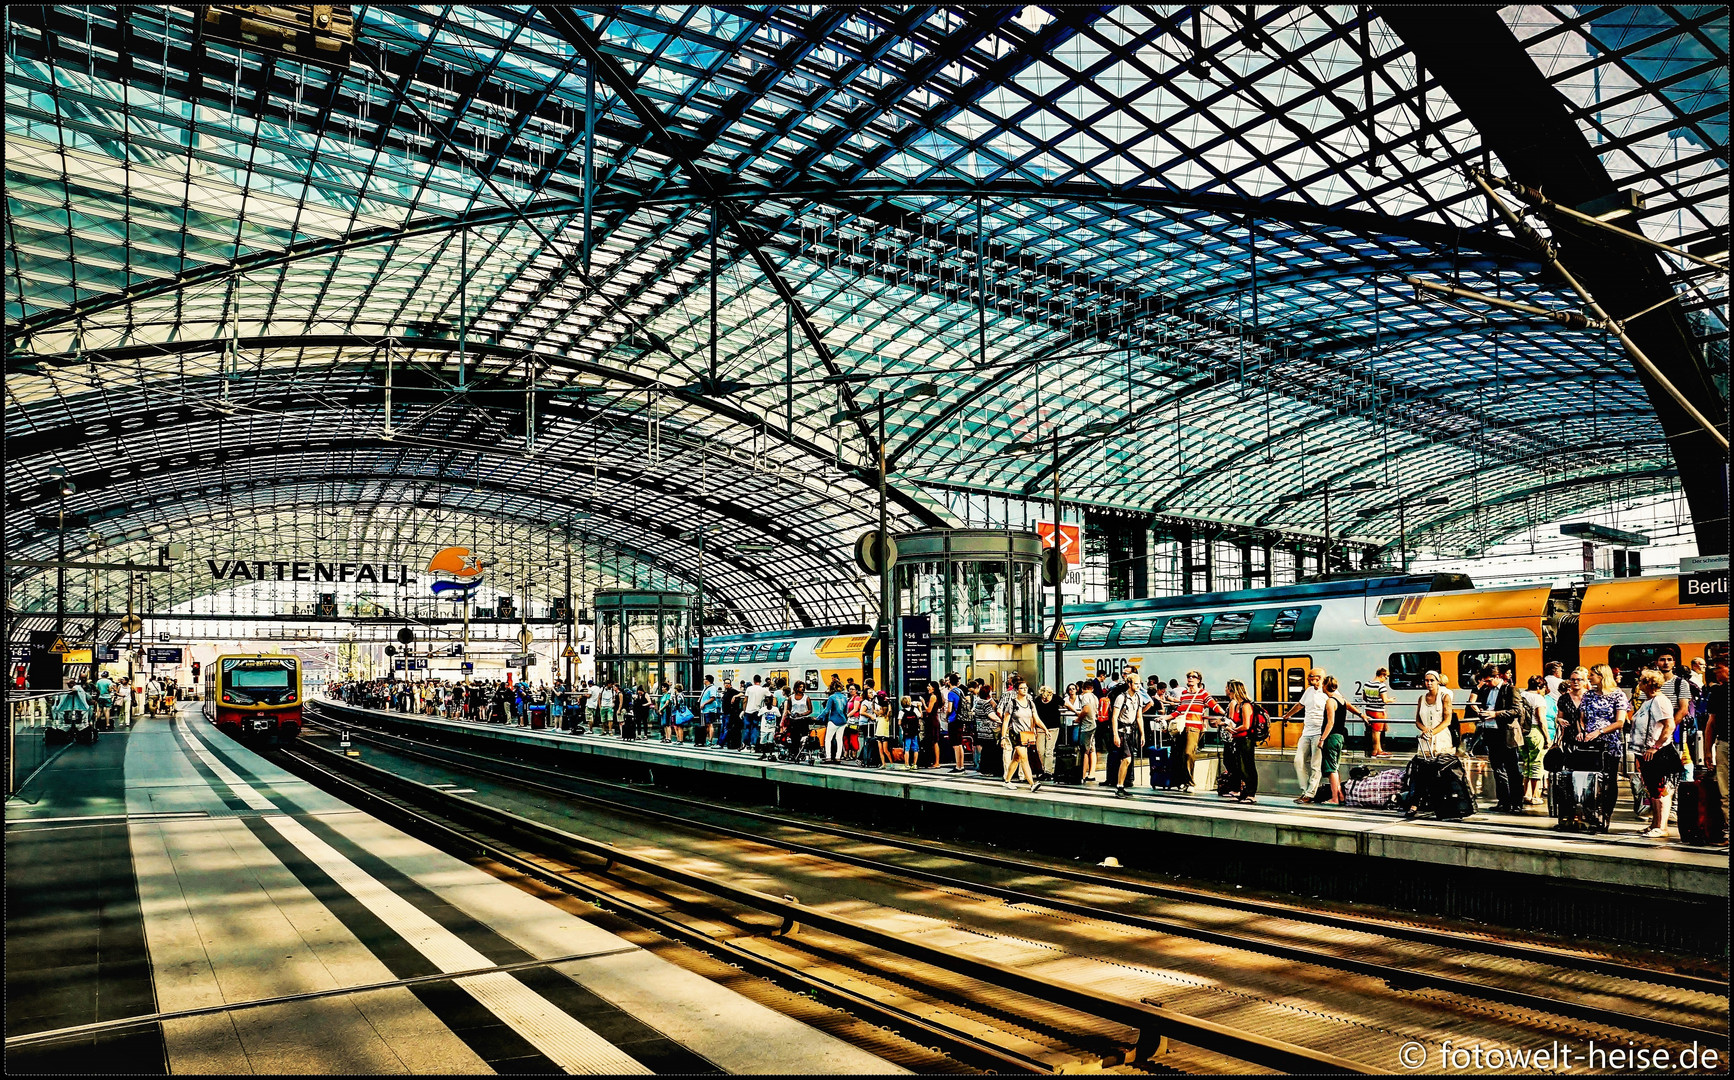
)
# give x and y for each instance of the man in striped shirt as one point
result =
(1193, 703)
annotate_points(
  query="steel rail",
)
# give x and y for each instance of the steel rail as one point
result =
(967, 1046)
(1420, 935)
(1153, 1023)
(1400, 978)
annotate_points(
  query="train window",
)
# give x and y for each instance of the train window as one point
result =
(1181, 629)
(1469, 665)
(1093, 635)
(784, 651)
(1270, 685)
(1135, 632)
(1628, 660)
(812, 678)
(1231, 626)
(1287, 622)
(1390, 605)
(1408, 667)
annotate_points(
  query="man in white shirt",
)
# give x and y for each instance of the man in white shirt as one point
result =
(1554, 676)
(1308, 752)
(752, 714)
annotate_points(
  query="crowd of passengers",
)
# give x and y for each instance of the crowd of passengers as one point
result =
(1677, 723)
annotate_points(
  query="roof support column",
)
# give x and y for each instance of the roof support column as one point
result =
(1523, 120)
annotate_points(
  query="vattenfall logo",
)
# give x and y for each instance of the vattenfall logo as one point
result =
(458, 563)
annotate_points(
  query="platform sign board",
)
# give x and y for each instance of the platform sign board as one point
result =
(19, 654)
(521, 660)
(1071, 543)
(158, 655)
(409, 665)
(915, 636)
(1704, 587)
(466, 667)
(108, 654)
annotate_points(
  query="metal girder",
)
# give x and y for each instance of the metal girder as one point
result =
(95, 482)
(1436, 524)
(632, 380)
(585, 40)
(646, 524)
(1080, 444)
(1523, 120)
(1357, 222)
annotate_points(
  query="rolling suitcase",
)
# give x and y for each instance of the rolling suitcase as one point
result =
(992, 759)
(1161, 777)
(1037, 766)
(1576, 798)
(1069, 764)
(870, 754)
(1700, 812)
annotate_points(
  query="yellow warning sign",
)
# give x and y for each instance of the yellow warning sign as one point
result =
(59, 646)
(570, 652)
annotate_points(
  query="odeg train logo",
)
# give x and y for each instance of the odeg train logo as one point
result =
(459, 573)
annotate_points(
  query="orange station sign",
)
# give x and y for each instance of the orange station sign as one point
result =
(1068, 541)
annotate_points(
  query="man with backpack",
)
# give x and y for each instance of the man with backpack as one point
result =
(1126, 721)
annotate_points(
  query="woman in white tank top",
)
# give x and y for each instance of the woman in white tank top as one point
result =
(1433, 717)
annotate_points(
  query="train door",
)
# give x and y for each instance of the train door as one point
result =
(1278, 682)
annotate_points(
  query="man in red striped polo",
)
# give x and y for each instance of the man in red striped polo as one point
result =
(1194, 702)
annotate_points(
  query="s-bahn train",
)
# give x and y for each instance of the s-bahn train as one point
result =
(1410, 624)
(256, 695)
(1269, 638)
(813, 655)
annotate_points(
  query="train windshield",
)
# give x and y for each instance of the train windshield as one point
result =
(257, 675)
(254, 678)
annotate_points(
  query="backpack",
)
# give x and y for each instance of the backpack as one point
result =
(1260, 724)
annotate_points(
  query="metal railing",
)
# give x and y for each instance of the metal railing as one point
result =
(29, 716)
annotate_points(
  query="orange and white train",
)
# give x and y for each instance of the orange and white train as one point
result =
(1410, 624)
(814, 655)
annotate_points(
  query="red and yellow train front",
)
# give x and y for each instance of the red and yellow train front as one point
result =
(258, 695)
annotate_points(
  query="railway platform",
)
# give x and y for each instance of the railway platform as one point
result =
(179, 903)
(1499, 868)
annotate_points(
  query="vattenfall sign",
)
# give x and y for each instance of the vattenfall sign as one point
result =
(1704, 587)
(265, 570)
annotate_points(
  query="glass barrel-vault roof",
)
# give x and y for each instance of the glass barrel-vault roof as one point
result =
(1179, 237)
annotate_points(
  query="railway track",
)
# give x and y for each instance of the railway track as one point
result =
(1458, 983)
(988, 1015)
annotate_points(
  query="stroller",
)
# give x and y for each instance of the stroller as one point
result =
(795, 745)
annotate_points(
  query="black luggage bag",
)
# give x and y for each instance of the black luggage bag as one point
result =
(992, 759)
(1069, 764)
(1577, 798)
(1451, 798)
(1701, 812)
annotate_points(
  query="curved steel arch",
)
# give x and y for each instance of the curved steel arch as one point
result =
(641, 523)
(93, 483)
(1358, 222)
(1520, 494)
(213, 518)
(922, 511)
